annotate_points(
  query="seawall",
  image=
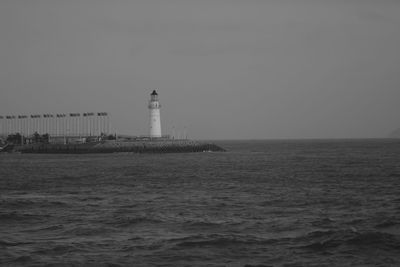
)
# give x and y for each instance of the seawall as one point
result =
(153, 146)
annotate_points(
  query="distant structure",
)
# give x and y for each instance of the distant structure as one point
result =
(56, 125)
(155, 121)
(79, 127)
(395, 134)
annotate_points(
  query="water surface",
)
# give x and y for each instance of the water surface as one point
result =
(262, 203)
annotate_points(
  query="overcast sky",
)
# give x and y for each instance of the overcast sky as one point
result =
(224, 68)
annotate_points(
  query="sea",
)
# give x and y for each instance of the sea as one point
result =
(260, 203)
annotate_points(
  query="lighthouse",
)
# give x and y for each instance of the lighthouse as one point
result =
(155, 122)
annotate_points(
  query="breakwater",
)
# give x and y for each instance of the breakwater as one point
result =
(111, 146)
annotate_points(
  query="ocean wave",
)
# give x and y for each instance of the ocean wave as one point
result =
(58, 250)
(200, 224)
(12, 204)
(23, 259)
(324, 240)
(17, 217)
(87, 231)
(9, 243)
(378, 240)
(324, 222)
(219, 240)
(388, 223)
(126, 221)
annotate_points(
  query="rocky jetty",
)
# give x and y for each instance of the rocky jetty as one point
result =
(112, 146)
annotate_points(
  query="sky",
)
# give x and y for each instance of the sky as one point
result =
(224, 69)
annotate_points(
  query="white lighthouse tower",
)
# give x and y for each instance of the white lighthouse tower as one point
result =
(155, 122)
